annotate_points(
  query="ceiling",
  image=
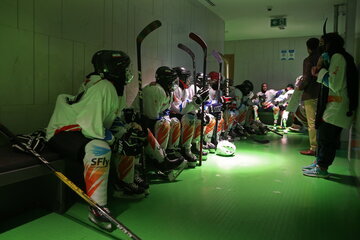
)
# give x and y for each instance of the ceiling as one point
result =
(250, 19)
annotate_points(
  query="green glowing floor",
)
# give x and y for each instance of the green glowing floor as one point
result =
(258, 194)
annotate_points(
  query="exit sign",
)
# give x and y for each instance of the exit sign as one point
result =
(278, 22)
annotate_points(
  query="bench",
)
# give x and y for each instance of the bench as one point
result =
(26, 183)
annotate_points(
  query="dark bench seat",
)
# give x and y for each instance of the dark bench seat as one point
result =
(26, 182)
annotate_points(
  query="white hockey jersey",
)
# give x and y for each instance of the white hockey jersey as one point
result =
(92, 114)
(183, 100)
(155, 101)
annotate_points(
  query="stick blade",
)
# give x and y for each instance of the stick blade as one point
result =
(148, 29)
(223, 58)
(187, 50)
(199, 40)
(262, 141)
(217, 56)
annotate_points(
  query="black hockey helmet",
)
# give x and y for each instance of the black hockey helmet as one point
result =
(113, 65)
(246, 87)
(183, 75)
(166, 77)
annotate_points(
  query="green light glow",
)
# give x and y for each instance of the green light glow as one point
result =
(239, 161)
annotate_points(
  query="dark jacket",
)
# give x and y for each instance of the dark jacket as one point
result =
(308, 83)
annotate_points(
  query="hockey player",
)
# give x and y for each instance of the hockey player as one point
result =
(184, 107)
(213, 111)
(163, 131)
(79, 126)
(241, 108)
(264, 101)
(281, 102)
(195, 143)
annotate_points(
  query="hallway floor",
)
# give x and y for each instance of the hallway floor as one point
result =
(260, 193)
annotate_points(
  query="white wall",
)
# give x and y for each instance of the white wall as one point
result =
(46, 47)
(259, 61)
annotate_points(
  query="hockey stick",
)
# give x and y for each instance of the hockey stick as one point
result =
(220, 62)
(139, 39)
(267, 128)
(203, 45)
(4, 130)
(192, 55)
(262, 141)
(227, 87)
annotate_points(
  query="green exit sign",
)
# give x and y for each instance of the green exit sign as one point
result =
(278, 22)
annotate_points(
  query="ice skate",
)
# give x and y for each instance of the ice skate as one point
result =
(190, 157)
(173, 153)
(210, 147)
(142, 183)
(124, 190)
(100, 220)
(173, 174)
(196, 151)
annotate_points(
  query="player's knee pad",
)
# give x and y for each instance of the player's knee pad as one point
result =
(96, 170)
(153, 149)
(162, 131)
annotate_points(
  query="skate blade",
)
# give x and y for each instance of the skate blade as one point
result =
(107, 226)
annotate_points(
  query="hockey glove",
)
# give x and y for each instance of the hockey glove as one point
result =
(132, 142)
(36, 141)
(206, 118)
(201, 96)
(130, 115)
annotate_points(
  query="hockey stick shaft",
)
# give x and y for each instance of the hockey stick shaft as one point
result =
(139, 39)
(219, 60)
(203, 45)
(267, 128)
(192, 55)
(5, 131)
(226, 65)
(227, 84)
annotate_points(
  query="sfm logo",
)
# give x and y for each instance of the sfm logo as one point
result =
(100, 162)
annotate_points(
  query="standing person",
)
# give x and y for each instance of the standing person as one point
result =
(79, 126)
(310, 89)
(335, 70)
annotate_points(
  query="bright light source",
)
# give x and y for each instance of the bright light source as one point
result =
(244, 160)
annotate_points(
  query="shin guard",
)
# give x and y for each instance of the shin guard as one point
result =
(174, 134)
(188, 130)
(162, 132)
(96, 170)
(153, 148)
(125, 167)
(209, 129)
